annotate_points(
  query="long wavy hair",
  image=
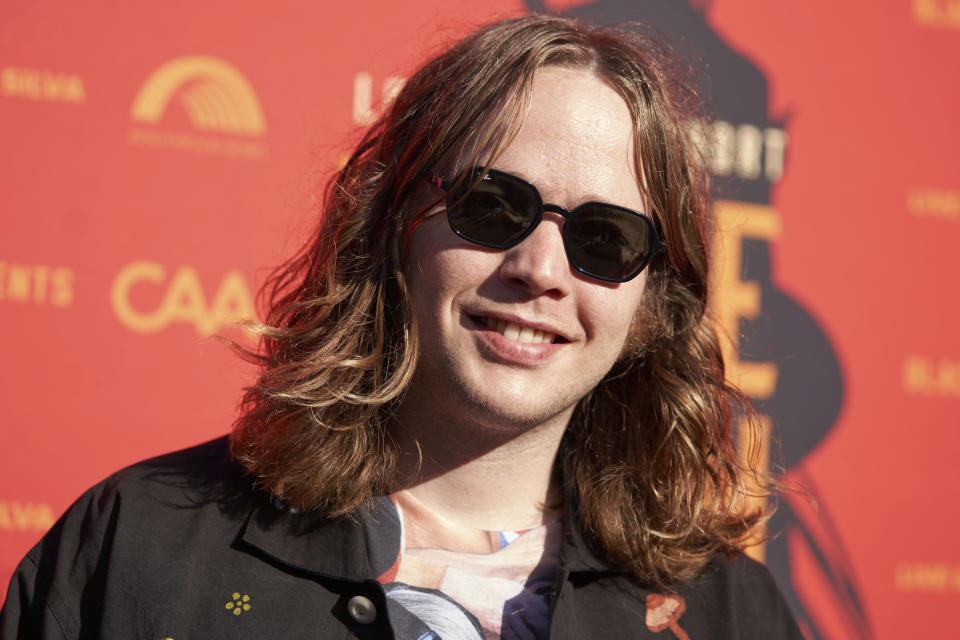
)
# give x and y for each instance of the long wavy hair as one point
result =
(649, 453)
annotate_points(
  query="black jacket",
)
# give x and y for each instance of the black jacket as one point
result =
(183, 546)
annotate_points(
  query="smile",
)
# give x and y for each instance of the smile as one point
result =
(517, 333)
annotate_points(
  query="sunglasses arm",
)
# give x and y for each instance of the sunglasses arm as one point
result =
(442, 183)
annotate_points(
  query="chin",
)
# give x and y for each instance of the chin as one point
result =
(516, 408)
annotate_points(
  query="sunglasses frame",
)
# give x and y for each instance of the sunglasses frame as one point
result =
(476, 175)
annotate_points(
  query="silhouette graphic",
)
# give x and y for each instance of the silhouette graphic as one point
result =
(810, 387)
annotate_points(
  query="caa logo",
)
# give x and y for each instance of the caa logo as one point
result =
(182, 299)
(216, 98)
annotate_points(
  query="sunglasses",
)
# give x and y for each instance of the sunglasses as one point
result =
(498, 210)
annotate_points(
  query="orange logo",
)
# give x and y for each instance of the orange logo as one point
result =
(364, 113)
(943, 14)
(931, 376)
(42, 84)
(939, 577)
(25, 516)
(217, 99)
(737, 298)
(940, 204)
(36, 283)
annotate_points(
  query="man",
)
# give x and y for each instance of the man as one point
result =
(492, 402)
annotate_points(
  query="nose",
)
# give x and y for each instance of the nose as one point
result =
(538, 265)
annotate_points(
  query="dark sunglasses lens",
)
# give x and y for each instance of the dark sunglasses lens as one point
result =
(496, 212)
(607, 242)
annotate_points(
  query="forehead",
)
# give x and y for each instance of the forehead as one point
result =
(576, 140)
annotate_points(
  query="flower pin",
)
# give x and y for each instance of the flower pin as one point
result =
(239, 604)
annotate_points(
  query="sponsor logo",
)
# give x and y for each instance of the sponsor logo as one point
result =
(743, 150)
(937, 577)
(943, 14)
(737, 299)
(940, 204)
(931, 377)
(740, 299)
(25, 516)
(36, 284)
(180, 297)
(364, 113)
(218, 101)
(43, 85)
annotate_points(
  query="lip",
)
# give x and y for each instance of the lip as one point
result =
(499, 347)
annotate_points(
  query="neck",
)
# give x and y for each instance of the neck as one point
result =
(480, 477)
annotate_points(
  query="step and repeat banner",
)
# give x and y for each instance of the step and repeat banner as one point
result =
(157, 160)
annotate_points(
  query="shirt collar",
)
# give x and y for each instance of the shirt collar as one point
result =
(365, 545)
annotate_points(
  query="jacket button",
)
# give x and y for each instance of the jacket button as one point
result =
(361, 609)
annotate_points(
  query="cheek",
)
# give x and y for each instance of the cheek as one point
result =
(439, 269)
(426, 281)
(616, 313)
(426, 266)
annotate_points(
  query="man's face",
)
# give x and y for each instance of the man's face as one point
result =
(516, 338)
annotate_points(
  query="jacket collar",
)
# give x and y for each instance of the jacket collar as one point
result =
(577, 554)
(356, 548)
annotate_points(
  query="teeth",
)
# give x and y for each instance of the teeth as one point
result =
(517, 333)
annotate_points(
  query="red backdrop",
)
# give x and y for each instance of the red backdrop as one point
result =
(158, 159)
